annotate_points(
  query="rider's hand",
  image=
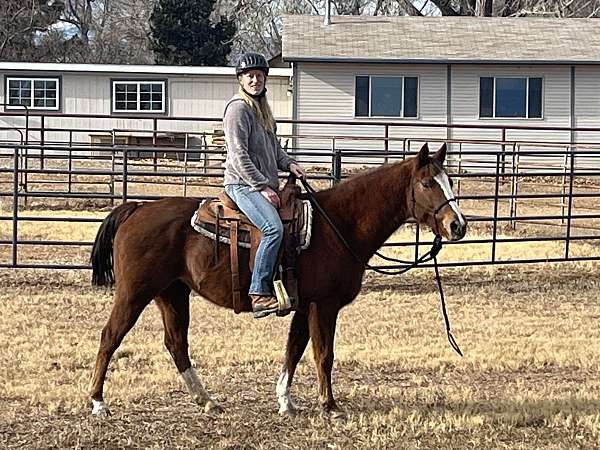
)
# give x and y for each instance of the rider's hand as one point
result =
(297, 170)
(271, 195)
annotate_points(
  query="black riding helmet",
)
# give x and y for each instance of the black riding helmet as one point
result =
(251, 61)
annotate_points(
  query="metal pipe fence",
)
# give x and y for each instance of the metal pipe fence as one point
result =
(514, 192)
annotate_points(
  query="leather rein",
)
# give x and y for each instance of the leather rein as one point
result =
(431, 255)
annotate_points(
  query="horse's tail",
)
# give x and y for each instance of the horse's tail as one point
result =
(102, 251)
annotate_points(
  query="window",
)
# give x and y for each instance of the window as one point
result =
(385, 96)
(34, 93)
(139, 96)
(510, 97)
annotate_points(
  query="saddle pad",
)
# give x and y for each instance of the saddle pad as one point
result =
(305, 223)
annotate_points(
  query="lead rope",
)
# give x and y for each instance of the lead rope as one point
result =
(429, 256)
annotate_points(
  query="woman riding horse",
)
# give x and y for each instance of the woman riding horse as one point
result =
(253, 159)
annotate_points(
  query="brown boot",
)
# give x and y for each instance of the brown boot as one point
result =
(263, 305)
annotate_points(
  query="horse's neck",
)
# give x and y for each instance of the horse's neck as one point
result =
(369, 208)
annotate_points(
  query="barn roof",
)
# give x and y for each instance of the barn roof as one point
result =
(133, 69)
(531, 40)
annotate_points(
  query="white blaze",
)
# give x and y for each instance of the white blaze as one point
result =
(442, 179)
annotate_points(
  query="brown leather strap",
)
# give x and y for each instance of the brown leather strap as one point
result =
(235, 268)
(227, 201)
(255, 237)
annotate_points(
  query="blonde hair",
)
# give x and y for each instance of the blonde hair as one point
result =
(261, 108)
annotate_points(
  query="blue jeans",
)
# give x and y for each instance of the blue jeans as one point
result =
(266, 218)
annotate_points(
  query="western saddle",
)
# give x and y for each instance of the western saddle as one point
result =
(223, 216)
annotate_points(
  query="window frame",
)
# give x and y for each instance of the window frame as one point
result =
(526, 117)
(32, 79)
(138, 82)
(402, 77)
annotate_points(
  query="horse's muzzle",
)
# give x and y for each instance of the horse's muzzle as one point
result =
(458, 229)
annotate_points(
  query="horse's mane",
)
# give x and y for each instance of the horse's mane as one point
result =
(362, 178)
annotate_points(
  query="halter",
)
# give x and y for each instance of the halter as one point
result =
(435, 210)
(429, 256)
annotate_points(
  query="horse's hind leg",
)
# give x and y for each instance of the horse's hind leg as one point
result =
(322, 321)
(125, 312)
(296, 344)
(174, 306)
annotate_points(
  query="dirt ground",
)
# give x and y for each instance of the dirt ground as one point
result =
(528, 380)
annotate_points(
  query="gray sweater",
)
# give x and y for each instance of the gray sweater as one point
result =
(253, 154)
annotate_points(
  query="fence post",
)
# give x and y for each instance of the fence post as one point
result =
(70, 181)
(495, 218)
(112, 171)
(563, 204)
(42, 139)
(25, 174)
(124, 171)
(15, 217)
(514, 188)
(185, 163)
(503, 151)
(459, 170)
(336, 163)
(154, 131)
(570, 204)
(386, 142)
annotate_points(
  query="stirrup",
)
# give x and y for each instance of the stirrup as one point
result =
(284, 301)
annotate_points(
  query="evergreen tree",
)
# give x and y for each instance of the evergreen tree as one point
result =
(183, 34)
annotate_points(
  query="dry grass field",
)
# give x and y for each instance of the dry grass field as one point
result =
(530, 377)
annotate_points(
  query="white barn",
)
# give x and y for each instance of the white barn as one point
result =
(113, 93)
(456, 70)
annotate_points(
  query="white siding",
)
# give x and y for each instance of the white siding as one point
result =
(587, 102)
(326, 91)
(465, 107)
(187, 96)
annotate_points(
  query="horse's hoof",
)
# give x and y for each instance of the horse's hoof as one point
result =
(212, 407)
(99, 409)
(337, 415)
(289, 411)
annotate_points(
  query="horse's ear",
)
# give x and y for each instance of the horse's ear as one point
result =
(423, 155)
(440, 155)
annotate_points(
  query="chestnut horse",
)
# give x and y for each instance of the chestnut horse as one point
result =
(157, 256)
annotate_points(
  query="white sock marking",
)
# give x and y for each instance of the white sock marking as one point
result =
(99, 407)
(442, 179)
(194, 385)
(283, 394)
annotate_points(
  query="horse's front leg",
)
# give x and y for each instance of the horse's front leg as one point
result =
(322, 321)
(297, 340)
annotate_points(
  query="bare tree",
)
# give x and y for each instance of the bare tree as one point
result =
(101, 31)
(20, 20)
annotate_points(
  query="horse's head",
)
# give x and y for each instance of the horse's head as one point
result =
(431, 200)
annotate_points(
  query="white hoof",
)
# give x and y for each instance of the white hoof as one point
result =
(288, 411)
(100, 409)
(287, 406)
(337, 415)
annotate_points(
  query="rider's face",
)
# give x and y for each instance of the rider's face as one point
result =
(253, 81)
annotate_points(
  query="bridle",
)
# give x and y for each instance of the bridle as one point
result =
(431, 255)
(435, 211)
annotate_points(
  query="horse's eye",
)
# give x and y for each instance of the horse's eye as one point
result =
(427, 183)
